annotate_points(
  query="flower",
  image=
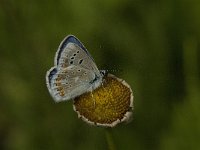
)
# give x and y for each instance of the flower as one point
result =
(108, 105)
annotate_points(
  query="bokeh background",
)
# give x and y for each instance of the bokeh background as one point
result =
(153, 45)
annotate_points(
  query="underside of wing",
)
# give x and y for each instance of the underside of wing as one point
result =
(69, 83)
(72, 52)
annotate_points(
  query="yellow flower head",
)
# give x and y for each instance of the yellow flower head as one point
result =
(108, 105)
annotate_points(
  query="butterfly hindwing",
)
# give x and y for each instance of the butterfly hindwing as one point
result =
(68, 83)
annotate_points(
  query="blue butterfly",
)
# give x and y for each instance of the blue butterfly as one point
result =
(74, 71)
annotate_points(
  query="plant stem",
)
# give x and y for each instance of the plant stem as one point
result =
(190, 57)
(109, 139)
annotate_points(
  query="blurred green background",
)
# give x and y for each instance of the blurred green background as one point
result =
(154, 45)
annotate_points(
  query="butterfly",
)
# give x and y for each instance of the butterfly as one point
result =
(74, 71)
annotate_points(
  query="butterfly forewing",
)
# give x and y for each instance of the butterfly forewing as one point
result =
(74, 55)
(72, 52)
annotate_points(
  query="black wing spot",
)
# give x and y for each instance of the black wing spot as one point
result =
(71, 62)
(77, 52)
(72, 57)
(74, 54)
(79, 70)
(80, 62)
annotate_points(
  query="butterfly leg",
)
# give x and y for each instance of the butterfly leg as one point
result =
(94, 102)
(102, 84)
